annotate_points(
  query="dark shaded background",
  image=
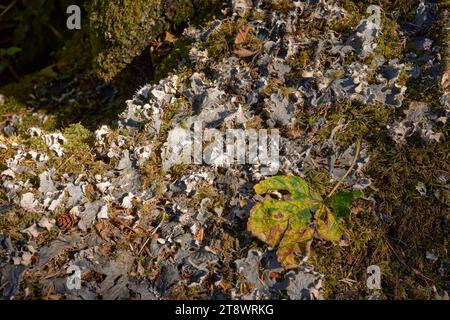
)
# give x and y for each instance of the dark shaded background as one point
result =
(38, 28)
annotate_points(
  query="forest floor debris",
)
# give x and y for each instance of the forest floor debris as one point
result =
(116, 203)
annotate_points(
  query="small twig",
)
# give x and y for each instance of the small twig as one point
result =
(8, 8)
(123, 225)
(308, 248)
(62, 164)
(54, 31)
(13, 72)
(358, 146)
(348, 281)
(153, 232)
(4, 285)
(65, 162)
(415, 271)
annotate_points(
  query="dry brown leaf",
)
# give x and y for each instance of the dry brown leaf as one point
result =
(199, 235)
(274, 275)
(89, 190)
(295, 134)
(169, 37)
(103, 231)
(445, 81)
(140, 269)
(242, 34)
(244, 53)
(225, 285)
(357, 210)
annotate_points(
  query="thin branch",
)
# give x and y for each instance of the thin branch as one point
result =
(13, 72)
(358, 147)
(153, 232)
(8, 8)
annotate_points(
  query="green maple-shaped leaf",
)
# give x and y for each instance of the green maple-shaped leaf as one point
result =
(328, 227)
(288, 224)
(341, 201)
(11, 51)
(285, 223)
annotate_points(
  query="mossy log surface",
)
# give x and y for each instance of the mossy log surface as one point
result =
(121, 30)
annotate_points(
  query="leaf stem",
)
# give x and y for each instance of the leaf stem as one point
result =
(153, 232)
(358, 147)
(8, 8)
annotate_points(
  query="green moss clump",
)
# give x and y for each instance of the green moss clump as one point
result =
(217, 199)
(304, 58)
(348, 23)
(11, 105)
(79, 152)
(13, 221)
(121, 30)
(368, 122)
(282, 5)
(388, 42)
(171, 61)
(76, 54)
(21, 90)
(220, 43)
(78, 136)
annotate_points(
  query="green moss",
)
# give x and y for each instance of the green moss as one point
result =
(13, 222)
(4, 155)
(217, 200)
(319, 180)
(178, 170)
(388, 42)
(79, 153)
(303, 59)
(424, 92)
(369, 122)
(400, 8)
(36, 144)
(220, 43)
(21, 90)
(78, 137)
(171, 61)
(121, 30)
(11, 105)
(349, 22)
(396, 171)
(151, 171)
(282, 5)
(76, 54)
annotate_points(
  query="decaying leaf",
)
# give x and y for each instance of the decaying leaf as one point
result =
(289, 223)
(242, 34)
(328, 227)
(169, 37)
(244, 53)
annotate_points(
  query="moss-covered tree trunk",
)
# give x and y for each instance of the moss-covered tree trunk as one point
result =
(120, 30)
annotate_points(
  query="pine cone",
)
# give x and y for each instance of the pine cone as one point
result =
(66, 221)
